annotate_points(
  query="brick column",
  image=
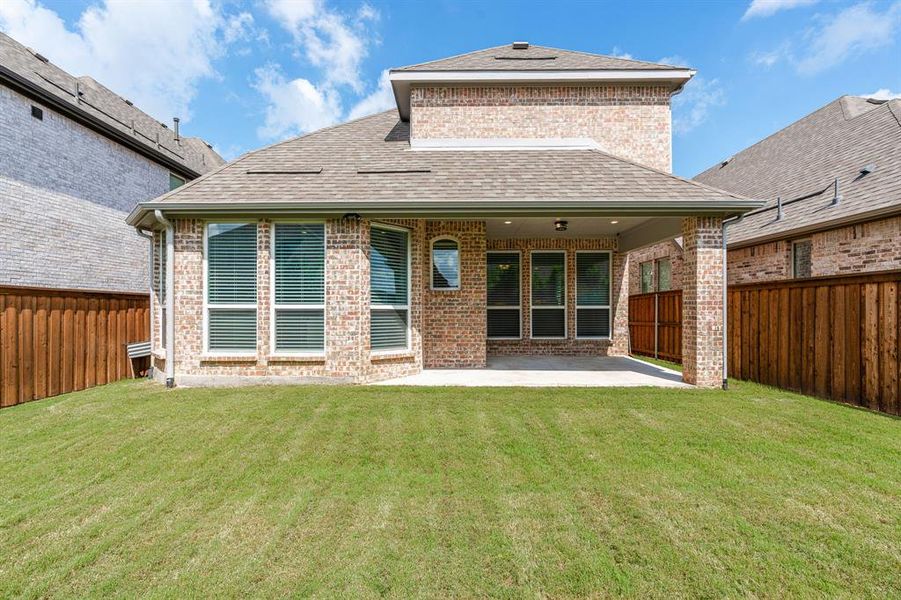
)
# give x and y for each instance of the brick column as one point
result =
(347, 298)
(702, 301)
(188, 295)
(619, 298)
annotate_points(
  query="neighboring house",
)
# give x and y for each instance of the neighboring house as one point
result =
(75, 158)
(837, 172)
(490, 214)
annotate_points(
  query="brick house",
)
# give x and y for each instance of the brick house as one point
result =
(837, 175)
(490, 214)
(75, 158)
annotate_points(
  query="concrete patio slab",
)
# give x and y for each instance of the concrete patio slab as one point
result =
(550, 371)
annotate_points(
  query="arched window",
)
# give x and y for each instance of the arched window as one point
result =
(445, 264)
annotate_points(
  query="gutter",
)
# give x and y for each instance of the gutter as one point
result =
(35, 92)
(170, 297)
(545, 207)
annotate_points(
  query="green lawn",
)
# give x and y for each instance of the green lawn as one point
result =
(341, 491)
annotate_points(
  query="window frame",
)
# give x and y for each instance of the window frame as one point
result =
(206, 290)
(432, 265)
(179, 177)
(565, 306)
(656, 276)
(408, 347)
(517, 307)
(609, 307)
(794, 274)
(653, 284)
(273, 306)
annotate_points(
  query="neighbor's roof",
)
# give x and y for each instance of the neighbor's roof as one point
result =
(367, 166)
(532, 58)
(102, 109)
(800, 164)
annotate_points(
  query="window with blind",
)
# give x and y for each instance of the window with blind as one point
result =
(231, 287)
(161, 254)
(298, 304)
(593, 294)
(647, 277)
(548, 274)
(445, 264)
(503, 281)
(664, 274)
(389, 280)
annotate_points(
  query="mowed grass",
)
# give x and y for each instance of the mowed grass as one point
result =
(130, 490)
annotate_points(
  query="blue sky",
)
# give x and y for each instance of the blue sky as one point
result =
(246, 74)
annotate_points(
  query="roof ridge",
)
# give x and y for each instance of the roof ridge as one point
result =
(670, 175)
(434, 60)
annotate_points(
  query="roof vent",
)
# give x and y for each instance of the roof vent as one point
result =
(836, 196)
(726, 162)
(520, 45)
(41, 57)
(868, 168)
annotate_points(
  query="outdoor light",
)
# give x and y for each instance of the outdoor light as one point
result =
(507, 222)
(614, 222)
(560, 225)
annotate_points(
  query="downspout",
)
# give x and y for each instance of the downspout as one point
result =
(170, 297)
(149, 236)
(726, 222)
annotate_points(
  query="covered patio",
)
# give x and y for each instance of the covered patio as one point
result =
(550, 371)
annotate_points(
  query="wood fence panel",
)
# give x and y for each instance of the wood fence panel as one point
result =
(833, 337)
(57, 341)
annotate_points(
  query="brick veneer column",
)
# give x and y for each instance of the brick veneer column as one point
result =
(702, 298)
(347, 297)
(188, 295)
(619, 299)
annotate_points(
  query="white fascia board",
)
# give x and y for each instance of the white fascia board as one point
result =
(483, 76)
(450, 144)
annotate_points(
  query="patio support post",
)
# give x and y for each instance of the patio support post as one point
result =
(702, 296)
(620, 298)
(347, 303)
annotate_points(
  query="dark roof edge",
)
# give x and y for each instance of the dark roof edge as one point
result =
(35, 92)
(855, 219)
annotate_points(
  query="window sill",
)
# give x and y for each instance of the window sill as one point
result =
(228, 358)
(296, 358)
(391, 355)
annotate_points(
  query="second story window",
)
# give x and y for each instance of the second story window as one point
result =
(175, 181)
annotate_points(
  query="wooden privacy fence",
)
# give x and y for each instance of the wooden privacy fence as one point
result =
(655, 324)
(833, 337)
(55, 341)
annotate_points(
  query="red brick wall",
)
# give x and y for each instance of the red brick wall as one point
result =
(702, 301)
(631, 121)
(454, 326)
(664, 249)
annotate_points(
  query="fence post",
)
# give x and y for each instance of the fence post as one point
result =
(656, 323)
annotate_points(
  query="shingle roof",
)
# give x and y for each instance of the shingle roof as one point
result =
(533, 58)
(102, 104)
(370, 160)
(800, 163)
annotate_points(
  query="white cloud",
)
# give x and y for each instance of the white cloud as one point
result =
(853, 31)
(294, 106)
(692, 107)
(618, 52)
(766, 8)
(335, 42)
(379, 100)
(767, 59)
(883, 94)
(154, 53)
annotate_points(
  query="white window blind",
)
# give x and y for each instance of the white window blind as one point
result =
(299, 274)
(231, 294)
(390, 289)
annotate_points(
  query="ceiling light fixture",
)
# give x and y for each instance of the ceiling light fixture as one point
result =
(560, 225)
(507, 222)
(614, 222)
